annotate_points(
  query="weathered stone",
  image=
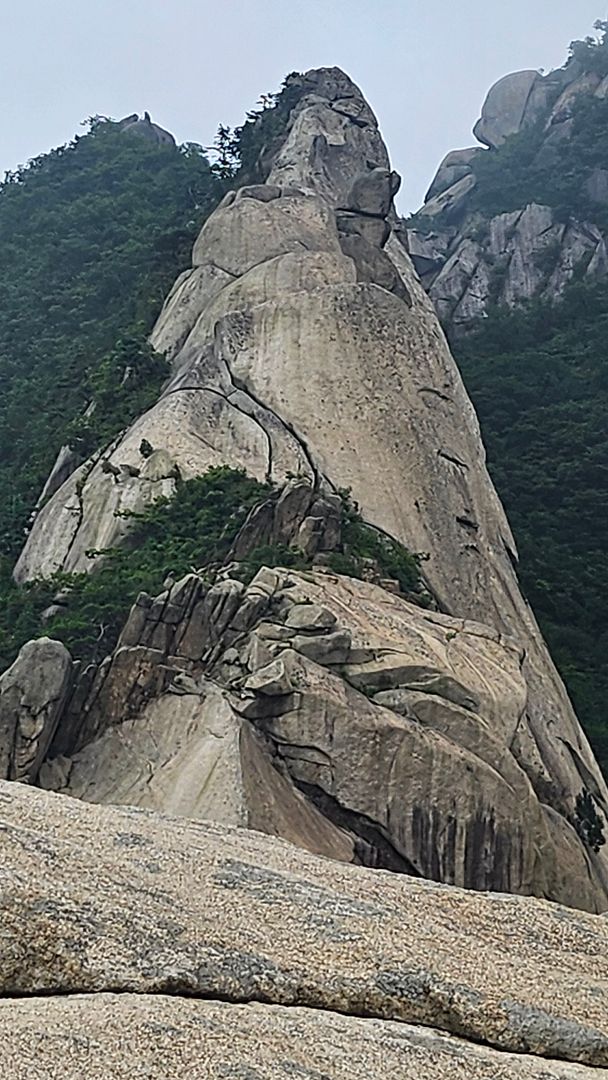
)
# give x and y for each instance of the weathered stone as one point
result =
(184, 910)
(144, 129)
(587, 83)
(449, 204)
(392, 422)
(374, 266)
(373, 229)
(310, 617)
(372, 192)
(454, 167)
(504, 108)
(66, 463)
(325, 649)
(249, 232)
(282, 676)
(113, 1034)
(33, 693)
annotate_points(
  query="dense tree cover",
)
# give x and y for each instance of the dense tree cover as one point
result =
(591, 54)
(539, 380)
(193, 530)
(93, 234)
(176, 535)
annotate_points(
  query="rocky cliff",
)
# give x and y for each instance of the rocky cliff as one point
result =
(524, 215)
(336, 714)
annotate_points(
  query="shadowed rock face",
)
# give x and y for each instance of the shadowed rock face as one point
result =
(260, 946)
(303, 343)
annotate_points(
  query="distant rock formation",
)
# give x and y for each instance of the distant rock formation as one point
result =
(468, 261)
(303, 344)
(145, 129)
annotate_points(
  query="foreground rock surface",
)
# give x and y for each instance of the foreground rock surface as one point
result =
(99, 900)
(123, 1036)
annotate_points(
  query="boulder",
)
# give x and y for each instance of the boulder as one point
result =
(504, 108)
(372, 192)
(450, 203)
(455, 165)
(143, 128)
(33, 693)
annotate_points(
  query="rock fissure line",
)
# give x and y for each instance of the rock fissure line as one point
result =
(318, 475)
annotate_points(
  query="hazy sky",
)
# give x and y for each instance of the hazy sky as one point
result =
(424, 65)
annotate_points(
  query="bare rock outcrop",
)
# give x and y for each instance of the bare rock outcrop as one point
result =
(165, 1034)
(143, 128)
(303, 344)
(33, 693)
(470, 260)
(334, 713)
(126, 933)
(504, 110)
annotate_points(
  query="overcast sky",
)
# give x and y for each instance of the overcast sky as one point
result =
(424, 65)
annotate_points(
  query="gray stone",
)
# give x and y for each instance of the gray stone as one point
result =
(375, 230)
(596, 186)
(374, 266)
(455, 165)
(449, 205)
(121, 1035)
(145, 129)
(504, 108)
(66, 462)
(372, 192)
(310, 617)
(33, 693)
(196, 911)
(282, 676)
(325, 649)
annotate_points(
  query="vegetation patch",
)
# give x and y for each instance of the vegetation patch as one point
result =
(538, 378)
(93, 236)
(191, 531)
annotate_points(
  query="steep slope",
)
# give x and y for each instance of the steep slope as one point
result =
(511, 247)
(142, 945)
(302, 343)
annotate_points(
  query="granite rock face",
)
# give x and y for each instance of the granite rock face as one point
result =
(33, 694)
(87, 1034)
(334, 713)
(468, 260)
(303, 345)
(277, 943)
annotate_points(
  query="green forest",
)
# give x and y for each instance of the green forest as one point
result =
(539, 381)
(93, 235)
